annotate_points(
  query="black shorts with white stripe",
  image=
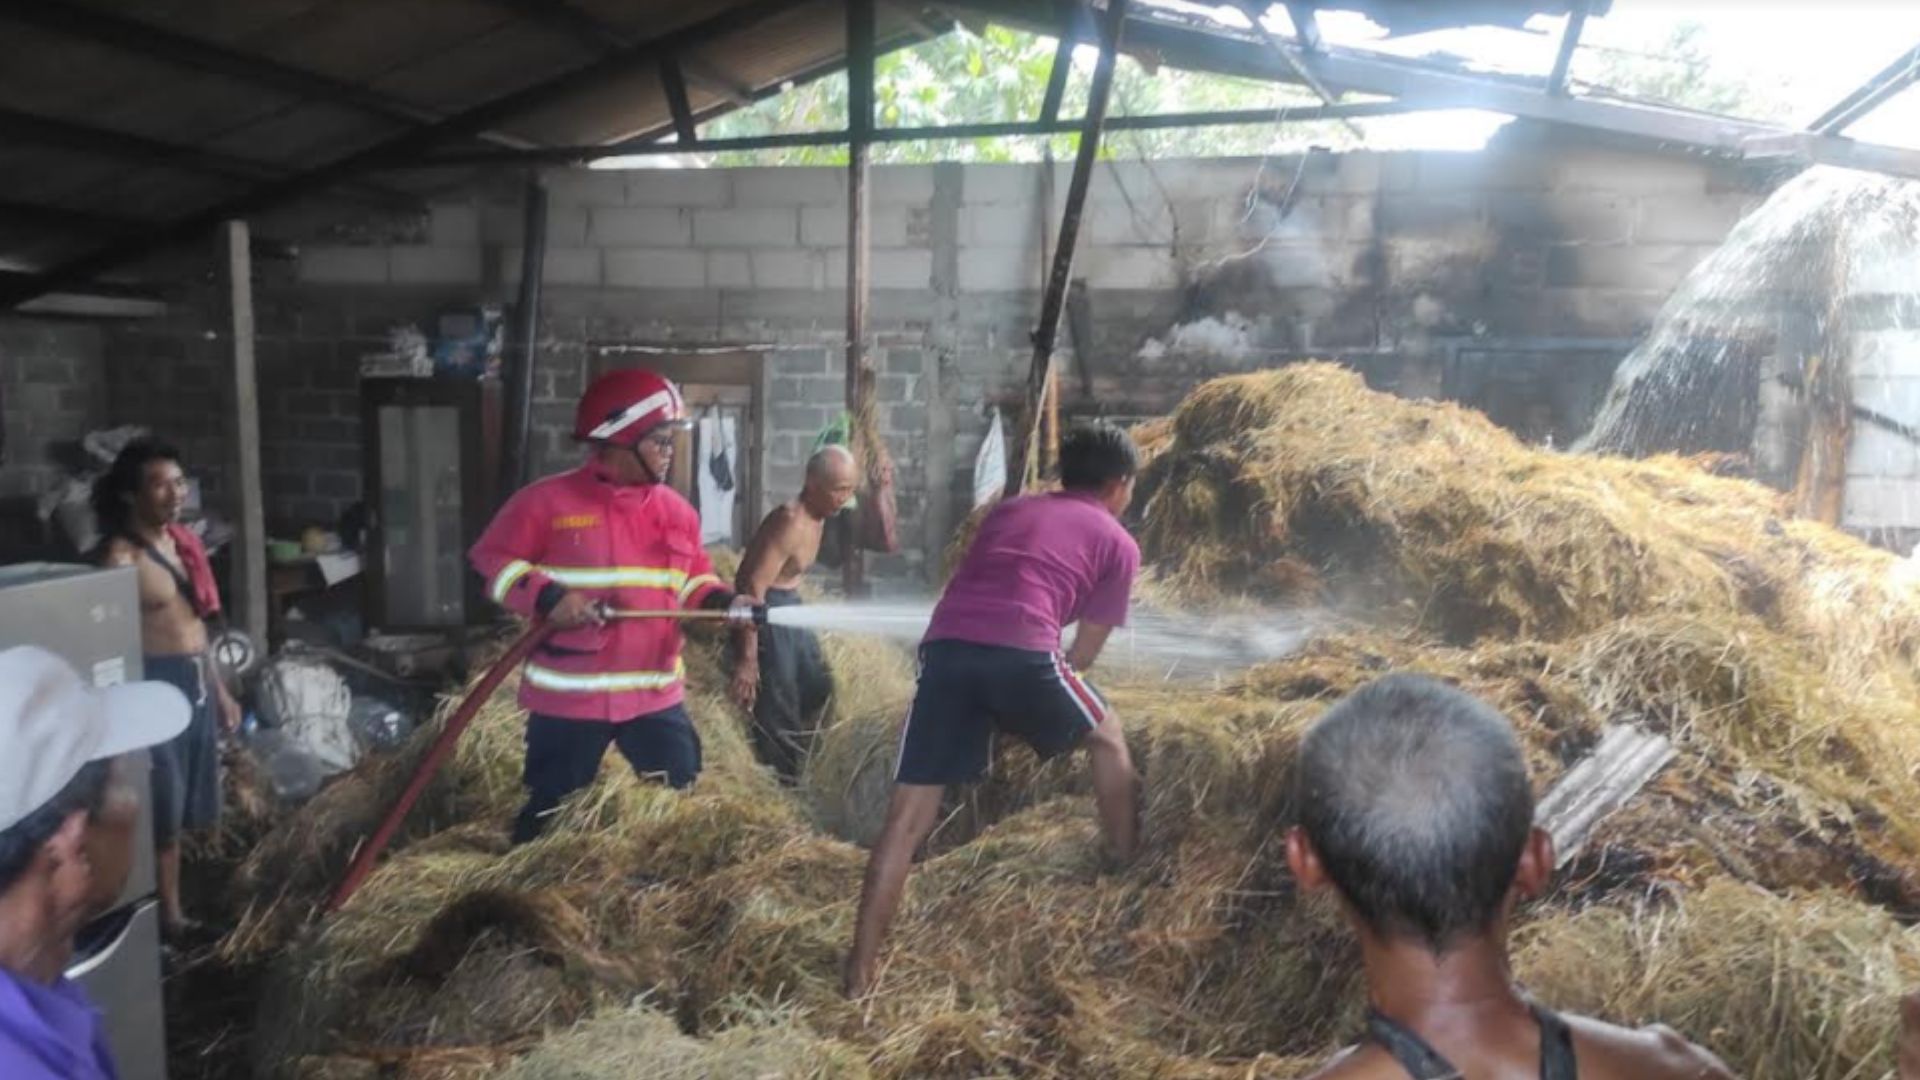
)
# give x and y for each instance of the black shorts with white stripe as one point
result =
(967, 692)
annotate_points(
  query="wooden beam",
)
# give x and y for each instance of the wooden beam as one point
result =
(714, 81)
(516, 465)
(401, 149)
(559, 15)
(1569, 44)
(1877, 91)
(95, 24)
(1070, 14)
(1306, 27)
(1255, 12)
(249, 511)
(861, 378)
(1053, 303)
(674, 82)
(647, 145)
(126, 146)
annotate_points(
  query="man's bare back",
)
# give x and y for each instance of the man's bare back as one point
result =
(1602, 1051)
(168, 625)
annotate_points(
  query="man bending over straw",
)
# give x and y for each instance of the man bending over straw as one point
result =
(1416, 809)
(992, 661)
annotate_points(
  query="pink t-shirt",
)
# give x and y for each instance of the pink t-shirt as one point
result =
(1038, 563)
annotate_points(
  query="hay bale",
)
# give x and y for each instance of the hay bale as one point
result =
(1780, 987)
(644, 1042)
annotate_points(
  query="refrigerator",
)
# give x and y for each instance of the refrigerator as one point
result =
(91, 618)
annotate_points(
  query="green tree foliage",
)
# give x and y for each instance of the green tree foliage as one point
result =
(1679, 69)
(1001, 75)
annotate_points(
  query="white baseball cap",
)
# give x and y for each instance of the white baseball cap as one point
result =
(52, 723)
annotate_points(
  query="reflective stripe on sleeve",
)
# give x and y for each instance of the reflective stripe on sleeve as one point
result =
(602, 682)
(694, 585)
(616, 577)
(510, 573)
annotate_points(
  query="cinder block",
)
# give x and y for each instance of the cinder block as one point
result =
(999, 185)
(1654, 267)
(1620, 172)
(564, 266)
(679, 187)
(1209, 179)
(1687, 219)
(1877, 452)
(1897, 399)
(789, 186)
(1431, 213)
(803, 420)
(999, 226)
(655, 268)
(1130, 268)
(788, 270)
(1482, 170)
(905, 419)
(1563, 218)
(902, 185)
(826, 226)
(436, 265)
(453, 225)
(1886, 354)
(895, 388)
(901, 268)
(344, 265)
(764, 227)
(998, 269)
(567, 226)
(904, 362)
(585, 187)
(802, 362)
(1878, 502)
(729, 270)
(638, 227)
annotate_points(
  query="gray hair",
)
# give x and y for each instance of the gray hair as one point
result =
(817, 464)
(1416, 797)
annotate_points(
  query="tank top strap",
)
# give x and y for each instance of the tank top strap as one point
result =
(1557, 1061)
(1421, 1061)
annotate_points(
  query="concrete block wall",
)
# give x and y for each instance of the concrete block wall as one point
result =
(53, 391)
(1535, 262)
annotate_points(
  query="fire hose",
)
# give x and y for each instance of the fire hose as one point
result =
(442, 748)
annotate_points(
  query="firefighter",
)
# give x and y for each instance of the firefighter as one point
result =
(608, 536)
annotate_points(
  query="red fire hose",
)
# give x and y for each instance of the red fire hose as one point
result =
(437, 754)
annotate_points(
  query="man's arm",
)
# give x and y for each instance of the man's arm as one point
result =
(767, 552)
(507, 555)
(1087, 643)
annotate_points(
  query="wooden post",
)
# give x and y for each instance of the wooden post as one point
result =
(522, 353)
(1048, 459)
(1054, 302)
(250, 539)
(860, 375)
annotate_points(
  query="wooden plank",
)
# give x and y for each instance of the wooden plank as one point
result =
(250, 540)
(860, 374)
(674, 82)
(1054, 303)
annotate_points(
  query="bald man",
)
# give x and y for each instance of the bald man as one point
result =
(779, 673)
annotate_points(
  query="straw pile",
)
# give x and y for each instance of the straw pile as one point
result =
(1748, 898)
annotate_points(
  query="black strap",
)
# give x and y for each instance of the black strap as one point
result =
(180, 579)
(1423, 1062)
(1556, 1047)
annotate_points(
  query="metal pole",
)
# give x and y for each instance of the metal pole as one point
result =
(250, 546)
(860, 377)
(1051, 306)
(517, 464)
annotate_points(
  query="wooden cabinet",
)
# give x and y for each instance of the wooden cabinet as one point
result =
(432, 472)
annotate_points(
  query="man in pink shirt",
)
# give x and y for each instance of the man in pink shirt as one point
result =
(992, 661)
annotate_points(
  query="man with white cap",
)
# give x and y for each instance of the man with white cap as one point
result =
(67, 816)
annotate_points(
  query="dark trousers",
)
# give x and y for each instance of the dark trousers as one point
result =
(564, 756)
(795, 684)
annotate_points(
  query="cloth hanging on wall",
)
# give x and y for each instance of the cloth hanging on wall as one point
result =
(990, 465)
(718, 468)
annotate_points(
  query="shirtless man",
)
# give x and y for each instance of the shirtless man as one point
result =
(779, 673)
(1415, 808)
(138, 503)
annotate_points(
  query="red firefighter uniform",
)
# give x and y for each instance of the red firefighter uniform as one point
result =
(634, 548)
